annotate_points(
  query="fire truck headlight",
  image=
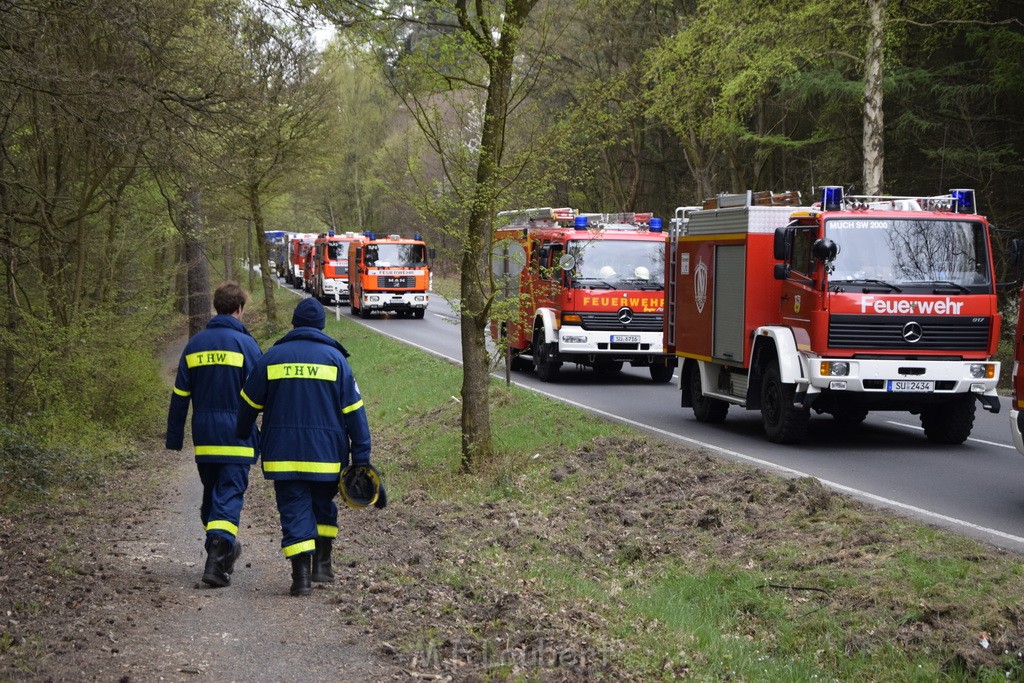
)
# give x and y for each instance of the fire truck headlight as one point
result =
(574, 340)
(420, 298)
(835, 368)
(373, 298)
(983, 370)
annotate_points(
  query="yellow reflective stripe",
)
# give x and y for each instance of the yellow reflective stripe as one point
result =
(250, 401)
(240, 451)
(179, 392)
(301, 466)
(215, 357)
(296, 548)
(223, 526)
(302, 371)
(355, 406)
(326, 531)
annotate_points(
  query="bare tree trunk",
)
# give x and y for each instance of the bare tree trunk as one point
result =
(261, 248)
(7, 387)
(229, 259)
(198, 278)
(874, 126)
(477, 440)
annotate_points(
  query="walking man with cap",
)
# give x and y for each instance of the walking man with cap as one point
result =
(314, 424)
(211, 371)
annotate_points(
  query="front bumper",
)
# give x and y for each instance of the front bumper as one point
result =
(621, 345)
(336, 290)
(394, 301)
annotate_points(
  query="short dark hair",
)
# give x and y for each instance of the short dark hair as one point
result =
(228, 297)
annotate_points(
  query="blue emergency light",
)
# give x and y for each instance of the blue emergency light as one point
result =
(330, 233)
(369, 235)
(655, 225)
(832, 198)
(964, 201)
(417, 237)
(581, 223)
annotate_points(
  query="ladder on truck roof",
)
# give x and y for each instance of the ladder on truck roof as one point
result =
(751, 198)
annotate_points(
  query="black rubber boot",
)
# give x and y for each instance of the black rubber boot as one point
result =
(322, 572)
(232, 556)
(214, 574)
(301, 571)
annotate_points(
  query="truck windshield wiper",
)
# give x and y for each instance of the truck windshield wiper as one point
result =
(944, 283)
(645, 284)
(883, 283)
(592, 281)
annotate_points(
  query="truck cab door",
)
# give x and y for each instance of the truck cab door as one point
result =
(800, 292)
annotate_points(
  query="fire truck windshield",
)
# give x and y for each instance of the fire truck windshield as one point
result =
(396, 255)
(904, 252)
(338, 251)
(618, 264)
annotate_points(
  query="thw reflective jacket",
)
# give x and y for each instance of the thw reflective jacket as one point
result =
(211, 371)
(314, 422)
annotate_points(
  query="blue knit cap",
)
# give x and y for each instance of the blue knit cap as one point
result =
(309, 313)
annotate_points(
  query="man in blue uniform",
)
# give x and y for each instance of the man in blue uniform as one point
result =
(211, 371)
(313, 425)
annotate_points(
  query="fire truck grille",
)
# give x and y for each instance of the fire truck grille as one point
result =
(392, 282)
(641, 322)
(896, 332)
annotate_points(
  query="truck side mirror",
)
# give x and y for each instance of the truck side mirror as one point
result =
(781, 271)
(825, 249)
(1016, 253)
(782, 244)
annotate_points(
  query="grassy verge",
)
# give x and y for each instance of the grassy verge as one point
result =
(586, 550)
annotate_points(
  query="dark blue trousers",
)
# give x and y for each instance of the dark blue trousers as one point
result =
(224, 488)
(307, 512)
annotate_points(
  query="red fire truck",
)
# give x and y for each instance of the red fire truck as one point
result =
(388, 274)
(855, 304)
(1017, 402)
(298, 245)
(591, 290)
(329, 278)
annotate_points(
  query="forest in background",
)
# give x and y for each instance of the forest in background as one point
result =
(146, 146)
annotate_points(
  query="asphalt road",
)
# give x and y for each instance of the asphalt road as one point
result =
(976, 488)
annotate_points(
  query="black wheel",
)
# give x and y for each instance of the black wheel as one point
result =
(419, 313)
(783, 421)
(353, 309)
(849, 418)
(705, 409)
(951, 422)
(661, 372)
(364, 313)
(545, 366)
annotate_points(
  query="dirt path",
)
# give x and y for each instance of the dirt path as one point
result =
(116, 595)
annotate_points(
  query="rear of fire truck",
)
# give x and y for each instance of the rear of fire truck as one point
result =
(590, 289)
(878, 304)
(389, 274)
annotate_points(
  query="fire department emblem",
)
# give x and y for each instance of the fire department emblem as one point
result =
(700, 285)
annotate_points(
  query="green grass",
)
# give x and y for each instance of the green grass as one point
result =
(792, 583)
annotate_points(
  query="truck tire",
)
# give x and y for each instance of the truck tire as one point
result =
(545, 367)
(661, 372)
(419, 313)
(365, 313)
(705, 408)
(783, 421)
(950, 422)
(353, 308)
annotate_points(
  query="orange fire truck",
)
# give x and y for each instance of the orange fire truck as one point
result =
(329, 280)
(591, 290)
(855, 304)
(388, 274)
(298, 246)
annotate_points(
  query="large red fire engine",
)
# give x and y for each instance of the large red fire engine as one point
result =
(329, 278)
(388, 274)
(1017, 403)
(591, 290)
(855, 304)
(298, 246)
